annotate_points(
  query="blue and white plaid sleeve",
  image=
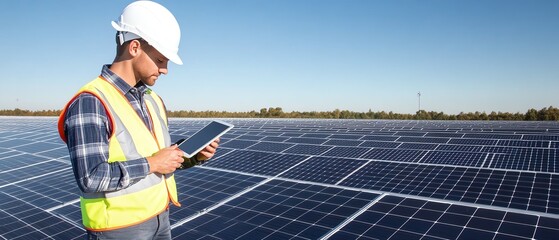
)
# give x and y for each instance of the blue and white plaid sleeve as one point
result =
(87, 130)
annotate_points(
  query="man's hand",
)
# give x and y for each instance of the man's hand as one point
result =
(209, 151)
(167, 160)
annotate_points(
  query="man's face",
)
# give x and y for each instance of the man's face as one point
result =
(151, 64)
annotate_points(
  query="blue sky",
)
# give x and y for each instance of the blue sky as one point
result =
(301, 55)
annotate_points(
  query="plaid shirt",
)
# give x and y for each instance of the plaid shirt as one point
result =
(88, 130)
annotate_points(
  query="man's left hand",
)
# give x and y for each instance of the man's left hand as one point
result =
(209, 151)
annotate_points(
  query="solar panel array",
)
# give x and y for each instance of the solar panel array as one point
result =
(316, 179)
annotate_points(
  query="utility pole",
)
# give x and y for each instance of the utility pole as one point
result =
(419, 101)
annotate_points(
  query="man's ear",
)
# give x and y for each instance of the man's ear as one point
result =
(134, 48)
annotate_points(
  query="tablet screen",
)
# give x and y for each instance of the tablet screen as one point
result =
(203, 137)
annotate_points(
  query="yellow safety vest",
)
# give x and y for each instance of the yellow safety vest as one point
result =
(130, 139)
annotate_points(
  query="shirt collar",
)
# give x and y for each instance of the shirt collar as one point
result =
(120, 84)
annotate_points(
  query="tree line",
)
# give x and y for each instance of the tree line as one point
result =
(545, 114)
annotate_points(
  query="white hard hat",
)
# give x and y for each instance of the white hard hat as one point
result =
(152, 22)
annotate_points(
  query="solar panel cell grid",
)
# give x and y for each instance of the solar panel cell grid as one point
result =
(337, 142)
(238, 144)
(270, 146)
(316, 135)
(307, 140)
(250, 137)
(423, 140)
(10, 143)
(540, 137)
(254, 162)
(522, 143)
(346, 136)
(323, 169)
(19, 160)
(308, 149)
(421, 146)
(274, 139)
(202, 188)
(444, 134)
(492, 136)
(23, 172)
(400, 155)
(455, 158)
(380, 138)
(459, 148)
(348, 152)
(379, 144)
(471, 185)
(290, 218)
(409, 133)
(38, 147)
(7, 153)
(471, 141)
(392, 218)
(28, 222)
(542, 160)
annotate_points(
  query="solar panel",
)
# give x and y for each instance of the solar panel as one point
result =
(238, 144)
(380, 138)
(349, 152)
(262, 163)
(323, 169)
(270, 146)
(275, 139)
(346, 136)
(409, 133)
(491, 136)
(473, 141)
(522, 143)
(423, 139)
(25, 172)
(423, 146)
(307, 140)
(540, 137)
(338, 142)
(308, 149)
(401, 155)
(455, 158)
(316, 179)
(444, 134)
(459, 148)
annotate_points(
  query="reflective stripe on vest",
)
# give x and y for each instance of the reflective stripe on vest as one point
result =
(130, 139)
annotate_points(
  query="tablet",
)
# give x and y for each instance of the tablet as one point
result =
(199, 140)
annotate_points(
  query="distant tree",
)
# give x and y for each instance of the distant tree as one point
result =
(263, 112)
(275, 112)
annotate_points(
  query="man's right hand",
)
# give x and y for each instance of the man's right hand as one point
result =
(167, 160)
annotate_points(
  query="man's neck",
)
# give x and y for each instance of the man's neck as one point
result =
(125, 71)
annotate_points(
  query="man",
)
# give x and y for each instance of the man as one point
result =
(117, 133)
